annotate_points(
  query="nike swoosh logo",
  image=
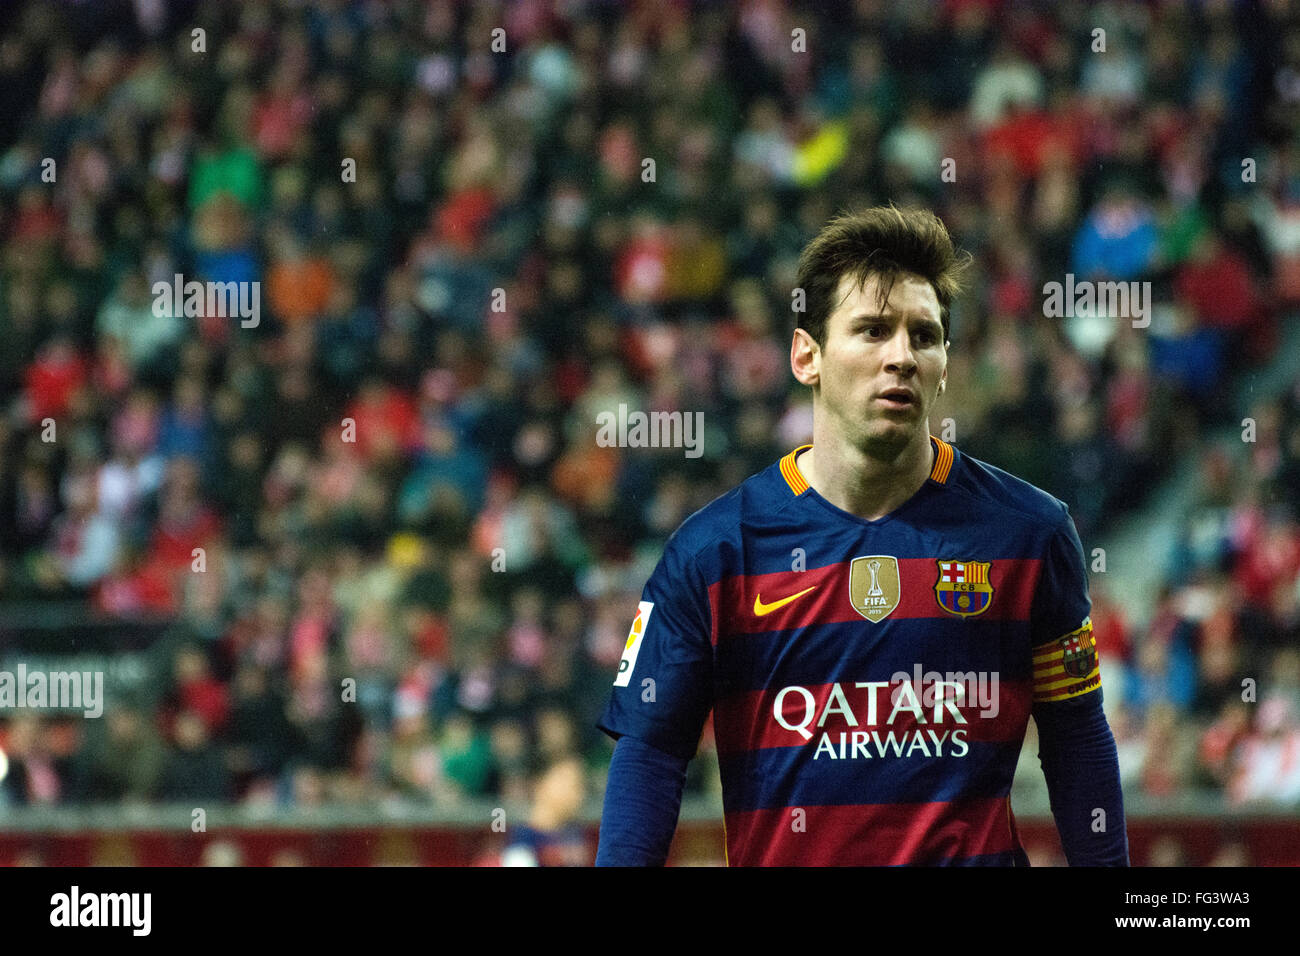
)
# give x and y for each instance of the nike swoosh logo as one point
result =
(760, 608)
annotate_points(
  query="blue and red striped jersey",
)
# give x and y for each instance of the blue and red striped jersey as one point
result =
(870, 681)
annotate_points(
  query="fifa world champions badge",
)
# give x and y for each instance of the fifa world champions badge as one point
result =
(874, 585)
(963, 587)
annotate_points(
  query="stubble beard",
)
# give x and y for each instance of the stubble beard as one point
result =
(886, 444)
(883, 438)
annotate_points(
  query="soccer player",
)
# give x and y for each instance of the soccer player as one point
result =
(872, 619)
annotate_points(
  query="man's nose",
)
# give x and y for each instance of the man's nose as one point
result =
(898, 353)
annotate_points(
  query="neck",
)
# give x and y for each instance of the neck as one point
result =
(855, 481)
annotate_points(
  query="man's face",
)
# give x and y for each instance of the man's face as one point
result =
(879, 370)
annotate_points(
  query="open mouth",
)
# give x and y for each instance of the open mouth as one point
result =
(897, 398)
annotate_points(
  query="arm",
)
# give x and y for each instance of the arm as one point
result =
(661, 698)
(1079, 759)
(1076, 747)
(642, 800)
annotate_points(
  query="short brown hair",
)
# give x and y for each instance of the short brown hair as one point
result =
(883, 241)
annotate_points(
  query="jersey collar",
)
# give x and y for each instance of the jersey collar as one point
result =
(944, 456)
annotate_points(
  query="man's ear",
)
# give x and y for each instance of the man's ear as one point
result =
(805, 358)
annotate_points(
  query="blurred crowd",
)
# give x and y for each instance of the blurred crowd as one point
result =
(476, 227)
(1210, 690)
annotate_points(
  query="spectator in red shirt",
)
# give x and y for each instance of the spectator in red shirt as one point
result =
(54, 378)
(387, 425)
(1218, 745)
(197, 690)
(185, 522)
(1219, 287)
(137, 587)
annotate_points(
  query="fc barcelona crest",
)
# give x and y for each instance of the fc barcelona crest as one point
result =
(1080, 651)
(874, 585)
(963, 587)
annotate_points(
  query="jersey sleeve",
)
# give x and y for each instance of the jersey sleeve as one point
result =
(663, 689)
(1064, 651)
(1076, 747)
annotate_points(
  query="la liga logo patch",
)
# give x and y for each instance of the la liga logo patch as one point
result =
(963, 587)
(633, 646)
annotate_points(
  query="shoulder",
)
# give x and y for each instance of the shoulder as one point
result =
(707, 528)
(721, 522)
(1013, 498)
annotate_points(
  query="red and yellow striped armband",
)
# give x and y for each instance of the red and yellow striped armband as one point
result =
(1066, 667)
